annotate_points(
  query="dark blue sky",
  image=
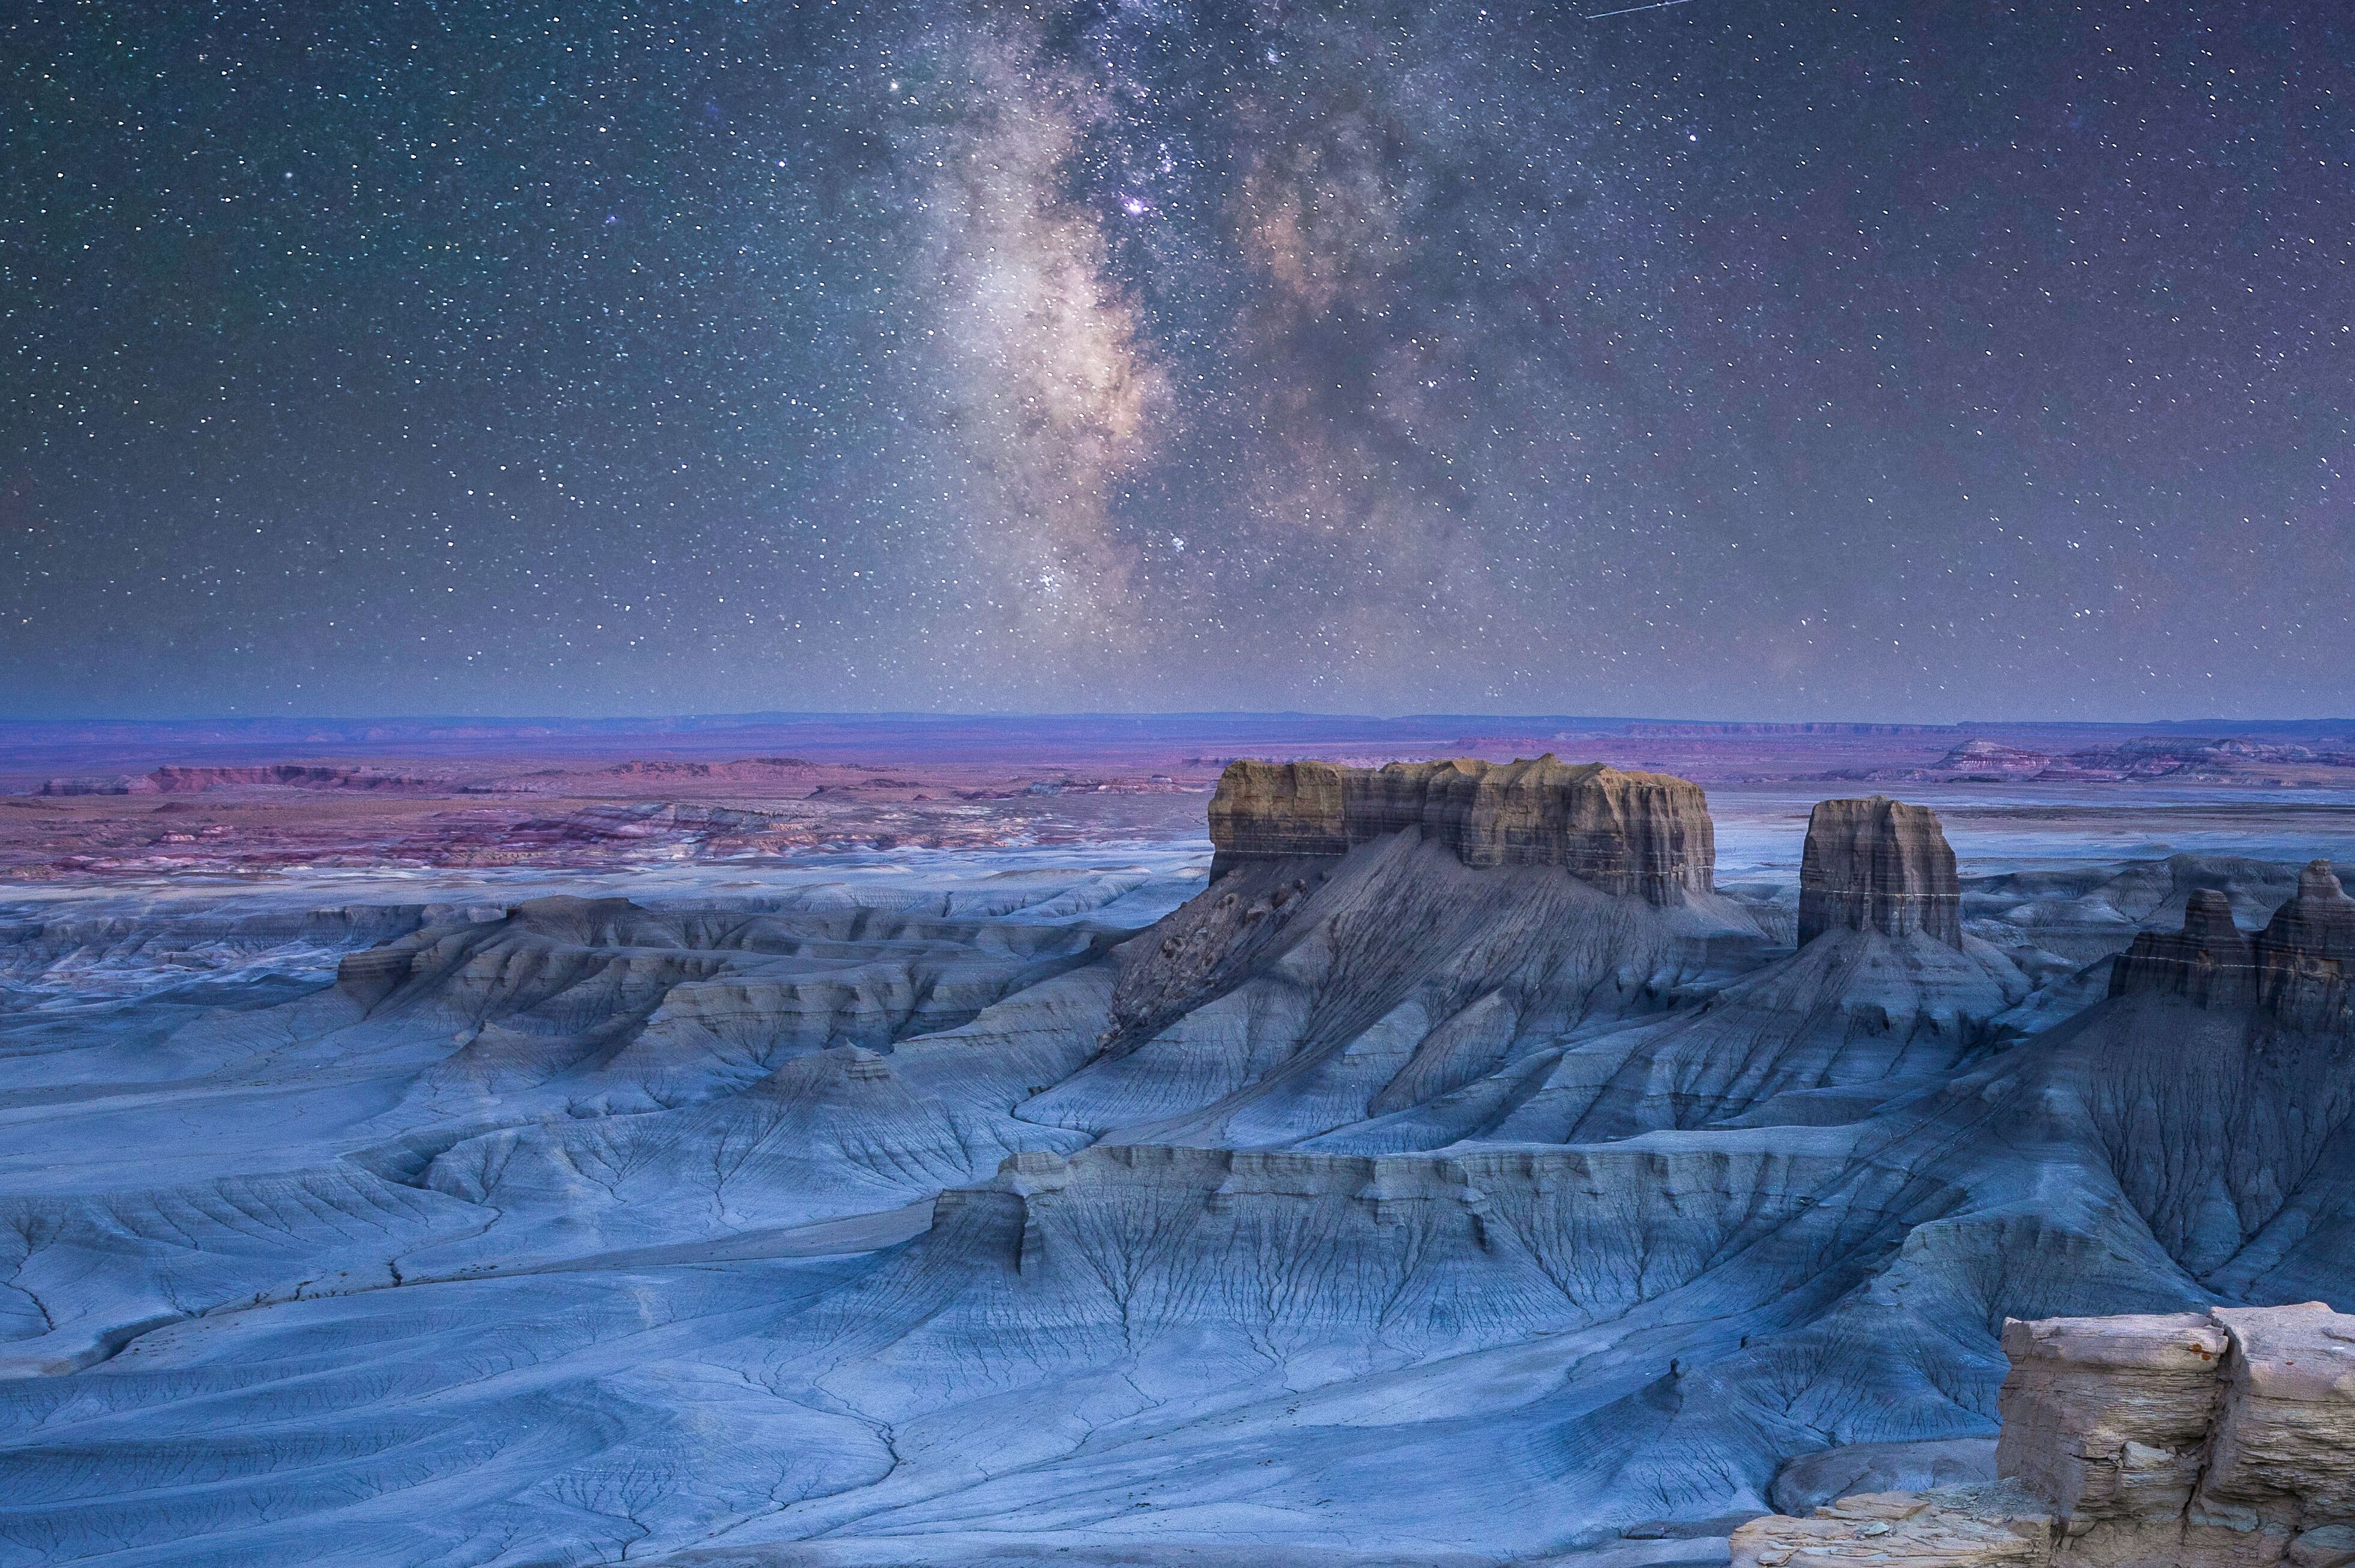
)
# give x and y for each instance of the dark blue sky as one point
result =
(1727, 359)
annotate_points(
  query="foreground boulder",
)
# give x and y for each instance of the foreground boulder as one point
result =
(2171, 1440)
(1962, 1527)
(2108, 1417)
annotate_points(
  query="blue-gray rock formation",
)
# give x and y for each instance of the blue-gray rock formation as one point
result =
(2211, 961)
(963, 1213)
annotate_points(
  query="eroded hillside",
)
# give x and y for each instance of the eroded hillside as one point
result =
(1448, 1172)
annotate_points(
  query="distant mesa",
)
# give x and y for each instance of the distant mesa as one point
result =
(2179, 759)
(1646, 834)
(1877, 865)
(112, 784)
(1671, 730)
(1993, 758)
(665, 768)
(274, 775)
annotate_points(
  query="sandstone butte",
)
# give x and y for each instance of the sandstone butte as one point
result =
(1646, 834)
(1877, 865)
(2215, 1439)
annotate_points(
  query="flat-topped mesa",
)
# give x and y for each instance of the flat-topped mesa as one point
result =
(1877, 865)
(1648, 833)
(2306, 954)
(2209, 963)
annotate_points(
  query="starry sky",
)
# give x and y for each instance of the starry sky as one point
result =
(1743, 359)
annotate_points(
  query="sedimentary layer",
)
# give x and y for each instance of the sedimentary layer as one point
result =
(2208, 963)
(1627, 833)
(1877, 865)
(2217, 1439)
(2292, 973)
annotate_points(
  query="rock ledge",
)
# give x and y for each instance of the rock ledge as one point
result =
(2181, 1440)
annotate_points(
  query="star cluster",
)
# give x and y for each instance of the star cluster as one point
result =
(1724, 358)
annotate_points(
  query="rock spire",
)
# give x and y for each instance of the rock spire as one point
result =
(2306, 954)
(2209, 962)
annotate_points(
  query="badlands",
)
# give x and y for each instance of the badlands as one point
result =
(1445, 1162)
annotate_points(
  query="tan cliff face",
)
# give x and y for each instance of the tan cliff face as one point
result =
(1877, 865)
(2213, 1439)
(1646, 834)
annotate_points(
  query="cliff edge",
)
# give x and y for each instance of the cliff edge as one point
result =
(2170, 1440)
(1646, 834)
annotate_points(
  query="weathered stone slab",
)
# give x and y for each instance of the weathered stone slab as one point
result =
(2108, 1417)
(2283, 1454)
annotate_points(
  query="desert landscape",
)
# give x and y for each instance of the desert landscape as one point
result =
(1146, 783)
(1017, 1147)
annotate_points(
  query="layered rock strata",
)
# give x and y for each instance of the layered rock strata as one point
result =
(2171, 1440)
(1980, 1526)
(2107, 1418)
(1877, 865)
(1648, 833)
(2209, 962)
(2295, 971)
(2305, 953)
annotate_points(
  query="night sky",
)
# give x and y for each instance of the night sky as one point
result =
(1728, 358)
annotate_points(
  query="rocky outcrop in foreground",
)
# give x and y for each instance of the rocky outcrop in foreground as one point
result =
(1877, 865)
(2175, 1440)
(1648, 833)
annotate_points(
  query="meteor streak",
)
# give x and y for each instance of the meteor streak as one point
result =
(1655, 6)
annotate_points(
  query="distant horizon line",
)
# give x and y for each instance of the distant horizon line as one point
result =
(754, 718)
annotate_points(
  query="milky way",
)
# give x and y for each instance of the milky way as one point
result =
(1723, 359)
